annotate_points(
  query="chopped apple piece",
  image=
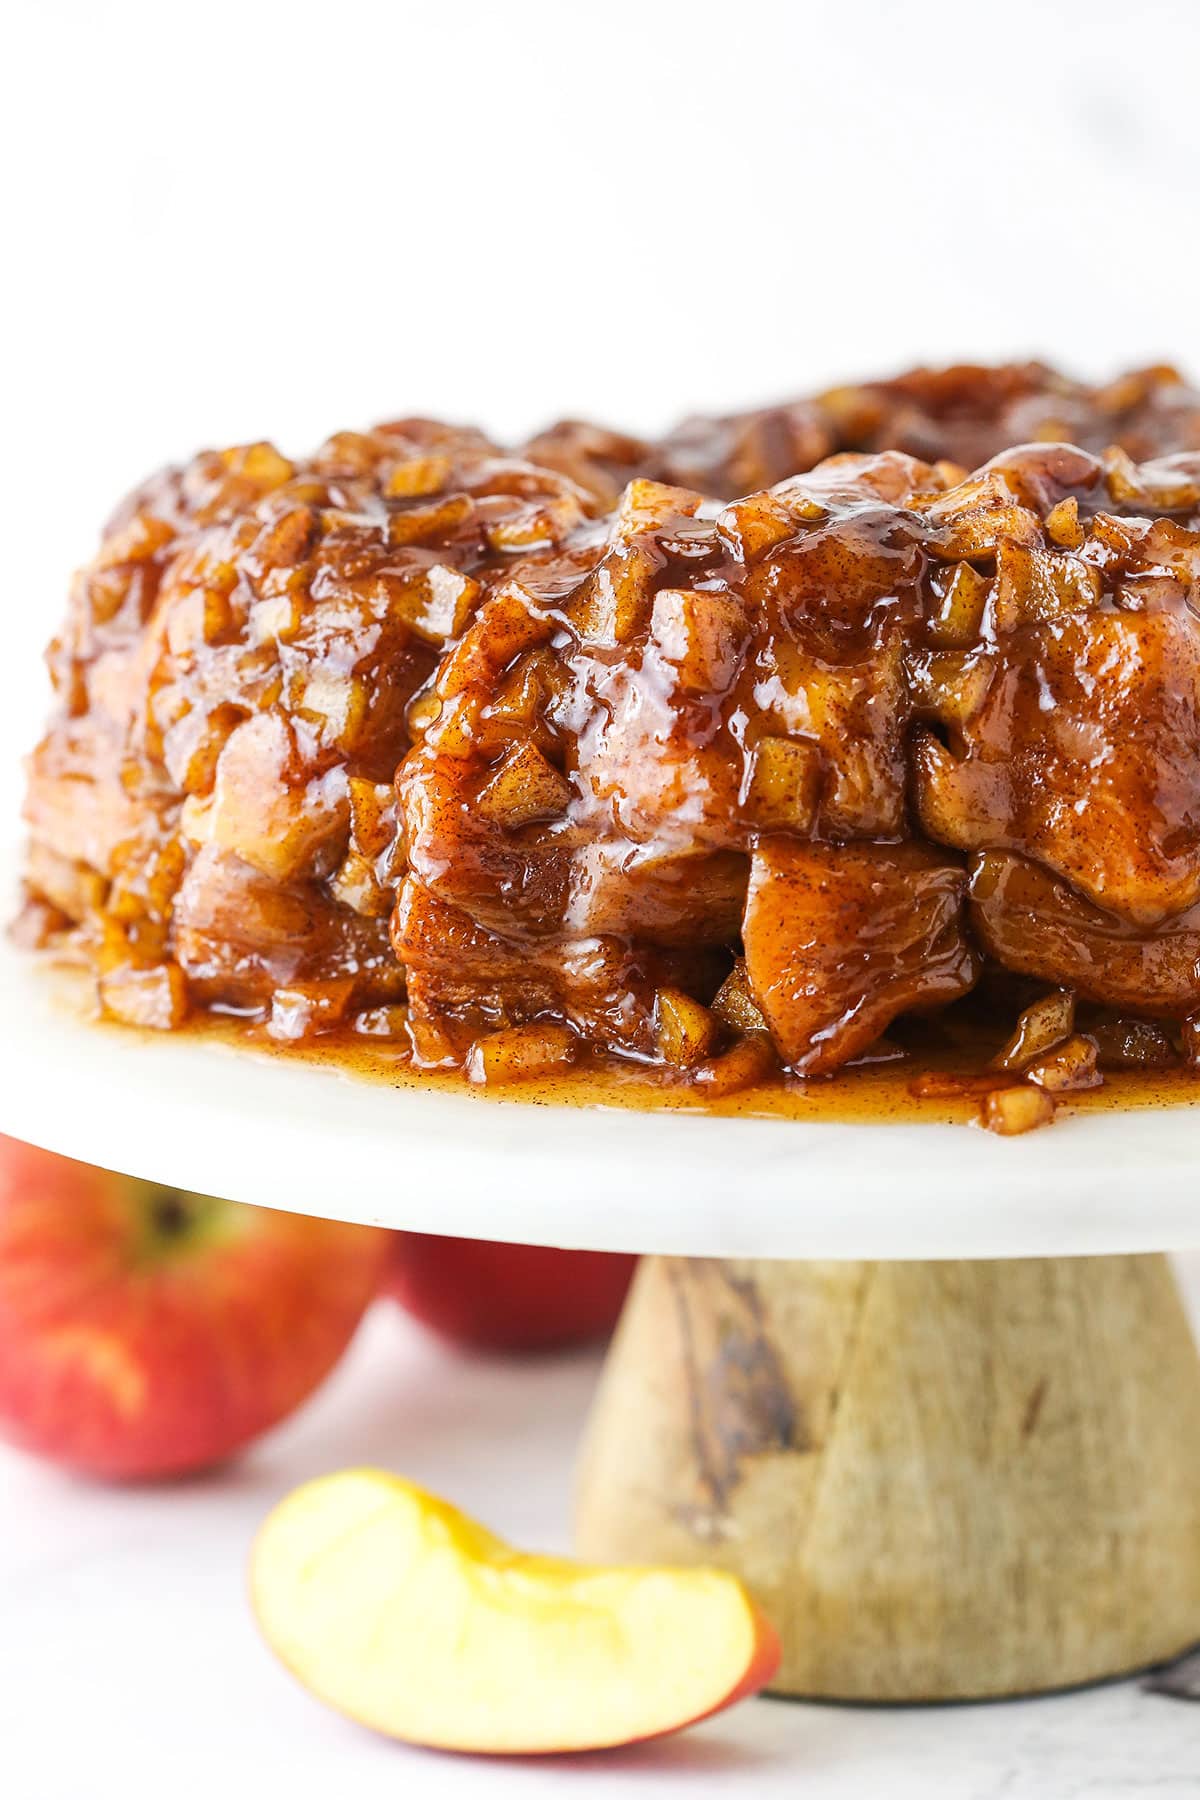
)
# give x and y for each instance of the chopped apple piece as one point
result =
(536, 525)
(1033, 584)
(504, 626)
(1164, 485)
(397, 1610)
(305, 1006)
(950, 685)
(1040, 1027)
(645, 505)
(613, 606)
(260, 465)
(686, 1031)
(754, 526)
(803, 505)
(438, 519)
(355, 884)
(701, 635)
(372, 815)
(417, 477)
(1068, 1068)
(785, 784)
(958, 619)
(743, 1065)
(523, 696)
(141, 539)
(277, 619)
(523, 789)
(437, 606)
(337, 702)
(520, 1053)
(978, 533)
(283, 541)
(155, 998)
(735, 1004)
(1062, 524)
(1011, 1111)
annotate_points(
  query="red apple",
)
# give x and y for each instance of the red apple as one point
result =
(145, 1331)
(507, 1296)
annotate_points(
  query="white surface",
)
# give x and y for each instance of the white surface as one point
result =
(200, 1114)
(129, 1664)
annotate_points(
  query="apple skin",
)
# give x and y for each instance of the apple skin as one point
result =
(518, 1298)
(146, 1332)
(402, 1613)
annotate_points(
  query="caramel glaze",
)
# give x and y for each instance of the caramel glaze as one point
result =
(700, 797)
(883, 1089)
(930, 1071)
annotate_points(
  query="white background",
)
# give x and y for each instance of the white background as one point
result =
(226, 219)
(222, 221)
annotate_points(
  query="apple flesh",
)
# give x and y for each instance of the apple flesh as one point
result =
(507, 1297)
(400, 1612)
(145, 1331)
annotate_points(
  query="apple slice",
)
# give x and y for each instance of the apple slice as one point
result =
(398, 1610)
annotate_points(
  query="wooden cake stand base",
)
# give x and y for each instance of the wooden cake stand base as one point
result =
(943, 1480)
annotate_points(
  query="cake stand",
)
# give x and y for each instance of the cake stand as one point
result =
(931, 1392)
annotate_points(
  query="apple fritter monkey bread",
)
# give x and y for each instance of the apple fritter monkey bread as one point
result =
(721, 754)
